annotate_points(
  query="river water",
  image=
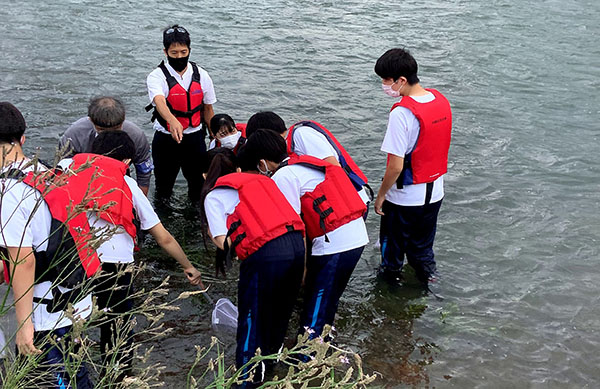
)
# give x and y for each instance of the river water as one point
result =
(519, 230)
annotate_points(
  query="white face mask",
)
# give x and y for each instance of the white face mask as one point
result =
(389, 91)
(265, 172)
(230, 141)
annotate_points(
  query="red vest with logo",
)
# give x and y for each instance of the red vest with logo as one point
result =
(262, 215)
(352, 170)
(186, 106)
(333, 203)
(429, 158)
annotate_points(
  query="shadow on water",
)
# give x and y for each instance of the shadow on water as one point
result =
(381, 327)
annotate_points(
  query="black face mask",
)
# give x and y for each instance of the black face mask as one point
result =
(178, 64)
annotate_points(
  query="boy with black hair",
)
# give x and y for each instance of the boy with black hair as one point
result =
(416, 142)
(25, 222)
(108, 113)
(267, 120)
(112, 152)
(183, 95)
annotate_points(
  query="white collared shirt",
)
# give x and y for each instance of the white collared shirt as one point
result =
(157, 85)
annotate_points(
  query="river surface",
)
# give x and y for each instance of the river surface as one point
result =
(519, 230)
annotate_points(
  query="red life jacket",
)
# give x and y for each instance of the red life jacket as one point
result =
(429, 159)
(356, 175)
(112, 194)
(186, 106)
(241, 127)
(262, 215)
(333, 203)
(95, 182)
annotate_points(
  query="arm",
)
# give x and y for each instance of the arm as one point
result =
(208, 114)
(332, 160)
(166, 241)
(143, 171)
(392, 172)
(175, 127)
(22, 278)
(219, 241)
(145, 190)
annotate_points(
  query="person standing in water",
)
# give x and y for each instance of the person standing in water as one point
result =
(182, 95)
(416, 142)
(266, 234)
(332, 211)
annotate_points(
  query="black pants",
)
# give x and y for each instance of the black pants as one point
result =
(268, 286)
(54, 358)
(410, 231)
(326, 280)
(170, 156)
(113, 293)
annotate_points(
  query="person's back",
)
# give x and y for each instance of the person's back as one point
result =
(26, 225)
(311, 138)
(296, 181)
(332, 211)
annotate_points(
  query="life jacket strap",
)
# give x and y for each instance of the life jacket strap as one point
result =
(60, 300)
(322, 213)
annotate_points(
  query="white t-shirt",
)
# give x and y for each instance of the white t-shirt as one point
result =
(218, 205)
(308, 141)
(25, 222)
(400, 139)
(296, 180)
(119, 248)
(157, 85)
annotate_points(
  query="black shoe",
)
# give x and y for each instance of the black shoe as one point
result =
(391, 276)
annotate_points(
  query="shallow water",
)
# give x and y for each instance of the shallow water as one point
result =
(518, 236)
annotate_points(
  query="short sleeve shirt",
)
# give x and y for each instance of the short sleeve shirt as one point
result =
(157, 85)
(218, 205)
(120, 247)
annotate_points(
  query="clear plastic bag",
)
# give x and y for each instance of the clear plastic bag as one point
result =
(224, 316)
(2, 344)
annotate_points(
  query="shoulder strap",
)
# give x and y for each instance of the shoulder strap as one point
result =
(195, 72)
(12, 173)
(171, 81)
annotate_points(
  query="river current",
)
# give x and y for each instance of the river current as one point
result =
(519, 230)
